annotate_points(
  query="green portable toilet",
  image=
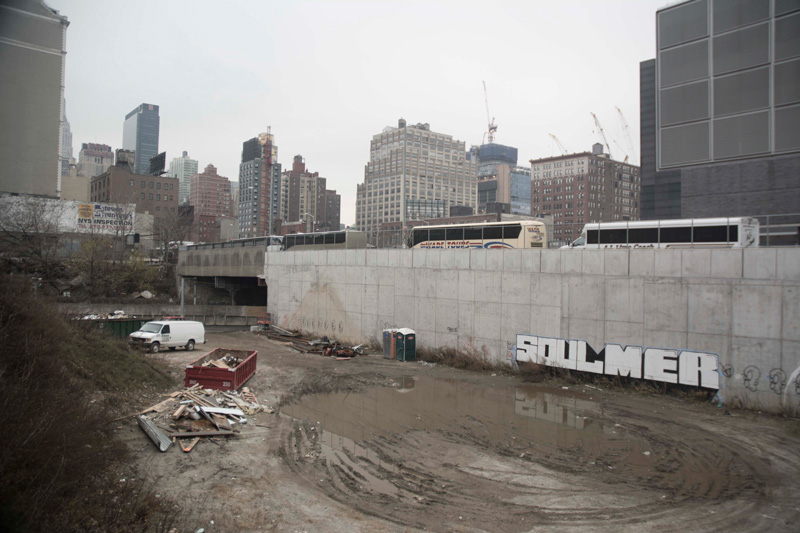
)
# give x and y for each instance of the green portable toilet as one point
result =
(406, 345)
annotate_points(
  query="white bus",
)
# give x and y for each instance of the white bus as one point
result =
(509, 234)
(734, 232)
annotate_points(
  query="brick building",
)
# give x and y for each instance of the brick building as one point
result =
(154, 195)
(210, 194)
(580, 188)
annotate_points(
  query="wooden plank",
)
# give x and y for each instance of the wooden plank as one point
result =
(187, 448)
(179, 411)
(191, 434)
(158, 408)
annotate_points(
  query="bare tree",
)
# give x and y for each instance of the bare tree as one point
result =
(30, 235)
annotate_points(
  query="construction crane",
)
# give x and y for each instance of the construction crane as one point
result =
(627, 133)
(558, 143)
(602, 132)
(492, 126)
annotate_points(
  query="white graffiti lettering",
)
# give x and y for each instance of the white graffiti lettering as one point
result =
(685, 367)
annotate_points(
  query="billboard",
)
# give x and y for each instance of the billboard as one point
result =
(105, 218)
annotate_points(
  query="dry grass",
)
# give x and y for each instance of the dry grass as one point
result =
(60, 386)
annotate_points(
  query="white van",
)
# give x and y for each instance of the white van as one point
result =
(169, 334)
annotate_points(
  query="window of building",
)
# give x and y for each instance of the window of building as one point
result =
(142, 197)
(151, 185)
(131, 183)
(158, 185)
(144, 184)
(151, 196)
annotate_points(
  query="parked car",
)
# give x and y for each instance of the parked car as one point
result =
(169, 334)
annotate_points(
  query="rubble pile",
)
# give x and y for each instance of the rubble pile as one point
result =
(189, 415)
(321, 346)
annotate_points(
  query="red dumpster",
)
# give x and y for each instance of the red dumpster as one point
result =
(214, 377)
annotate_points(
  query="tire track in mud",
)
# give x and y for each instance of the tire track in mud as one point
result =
(499, 470)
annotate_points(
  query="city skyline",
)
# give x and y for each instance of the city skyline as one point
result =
(327, 76)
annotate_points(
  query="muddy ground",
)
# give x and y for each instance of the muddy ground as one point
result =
(376, 445)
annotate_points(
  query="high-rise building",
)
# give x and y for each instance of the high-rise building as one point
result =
(94, 159)
(304, 193)
(333, 210)
(183, 168)
(66, 140)
(140, 134)
(259, 187)
(413, 173)
(210, 194)
(33, 40)
(500, 180)
(720, 108)
(585, 187)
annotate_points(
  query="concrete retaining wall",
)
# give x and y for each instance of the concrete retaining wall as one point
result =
(741, 304)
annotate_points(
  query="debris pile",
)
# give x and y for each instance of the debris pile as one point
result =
(188, 415)
(322, 346)
(116, 315)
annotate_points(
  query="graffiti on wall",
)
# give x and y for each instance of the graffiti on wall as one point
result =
(685, 367)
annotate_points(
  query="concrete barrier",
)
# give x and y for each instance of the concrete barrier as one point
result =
(740, 305)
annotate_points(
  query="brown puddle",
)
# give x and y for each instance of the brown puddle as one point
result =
(431, 441)
(520, 420)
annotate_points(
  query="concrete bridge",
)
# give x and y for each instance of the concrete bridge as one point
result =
(229, 270)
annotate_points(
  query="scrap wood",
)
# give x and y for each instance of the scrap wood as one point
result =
(190, 434)
(248, 396)
(221, 421)
(219, 363)
(158, 408)
(179, 411)
(188, 447)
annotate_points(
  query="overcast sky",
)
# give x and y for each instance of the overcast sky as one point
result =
(328, 75)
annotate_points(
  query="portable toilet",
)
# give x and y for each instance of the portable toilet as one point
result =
(389, 343)
(406, 349)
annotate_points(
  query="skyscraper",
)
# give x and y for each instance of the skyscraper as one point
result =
(32, 54)
(720, 108)
(259, 186)
(140, 134)
(183, 168)
(414, 174)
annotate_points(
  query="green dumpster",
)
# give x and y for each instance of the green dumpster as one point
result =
(121, 327)
(406, 345)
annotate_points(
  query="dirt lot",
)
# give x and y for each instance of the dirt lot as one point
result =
(375, 445)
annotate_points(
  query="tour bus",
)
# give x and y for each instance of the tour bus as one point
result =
(509, 234)
(326, 240)
(323, 240)
(734, 232)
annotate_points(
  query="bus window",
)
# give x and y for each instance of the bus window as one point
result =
(592, 236)
(319, 238)
(419, 236)
(493, 232)
(712, 234)
(472, 234)
(613, 236)
(676, 234)
(455, 234)
(437, 234)
(340, 237)
(511, 231)
(643, 235)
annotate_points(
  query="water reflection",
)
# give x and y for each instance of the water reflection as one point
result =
(525, 414)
